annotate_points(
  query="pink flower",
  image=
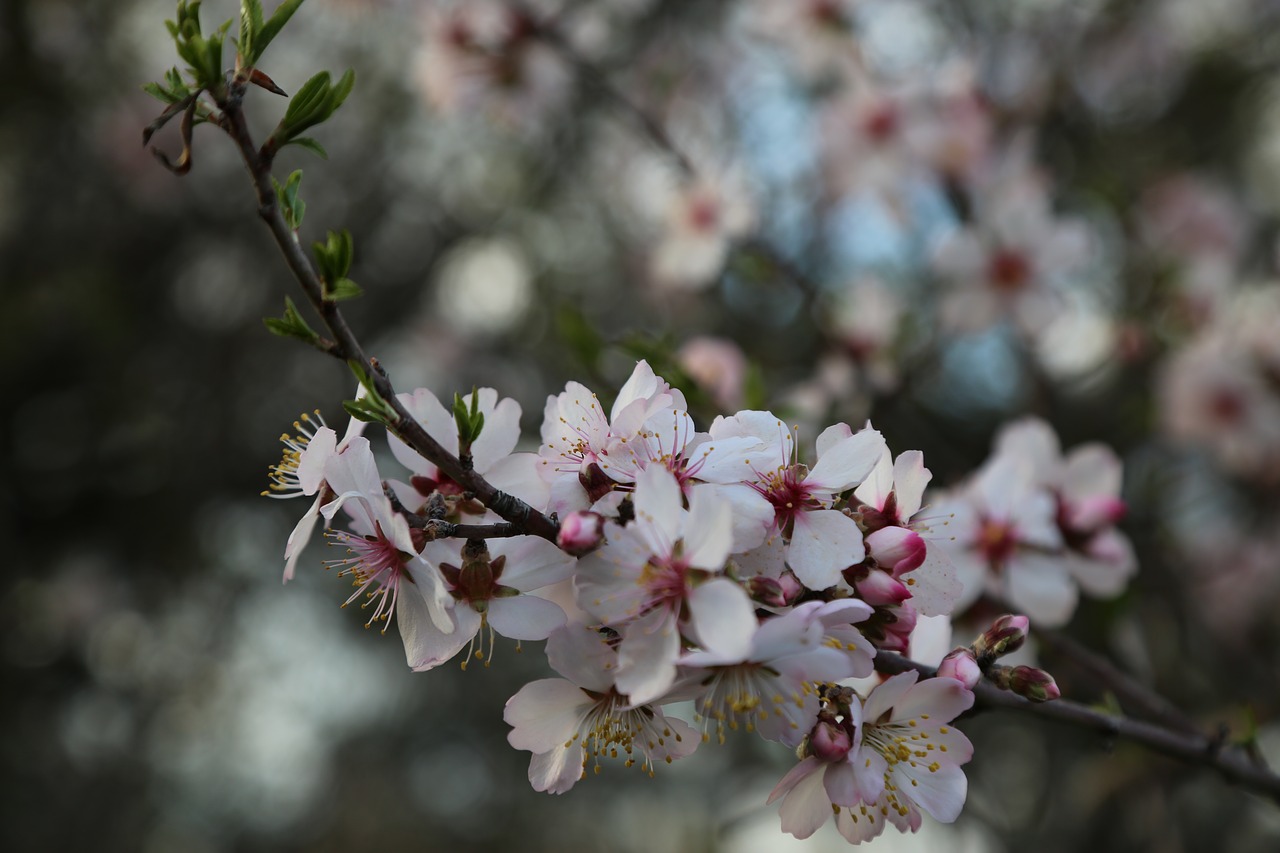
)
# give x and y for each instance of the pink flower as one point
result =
(581, 533)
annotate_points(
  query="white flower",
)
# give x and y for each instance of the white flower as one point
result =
(659, 577)
(570, 722)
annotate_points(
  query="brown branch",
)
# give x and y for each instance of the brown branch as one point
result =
(347, 346)
(1231, 761)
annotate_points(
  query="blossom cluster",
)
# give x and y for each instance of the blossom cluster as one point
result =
(707, 567)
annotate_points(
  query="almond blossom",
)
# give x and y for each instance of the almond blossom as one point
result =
(570, 722)
(387, 570)
(820, 540)
(901, 758)
(660, 578)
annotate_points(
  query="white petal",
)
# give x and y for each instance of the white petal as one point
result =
(910, 478)
(558, 769)
(425, 645)
(723, 619)
(1040, 586)
(935, 586)
(806, 807)
(544, 714)
(647, 657)
(875, 489)
(525, 617)
(501, 429)
(822, 545)
(435, 419)
(312, 462)
(708, 531)
(660, 507)
(849, 462)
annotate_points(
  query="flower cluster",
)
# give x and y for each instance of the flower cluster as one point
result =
(707, 567)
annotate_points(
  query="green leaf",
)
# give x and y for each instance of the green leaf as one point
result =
(293, 207)
(344, 289)
(311, 145)
(291, 325)
(267, 32)
(250, 26)
(340, 91)
(308, 101)
(361, 410)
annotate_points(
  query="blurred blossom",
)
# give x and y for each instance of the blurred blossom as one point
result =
(866, 320)
(718, 366)
(703, 216)
(1220, 391)
(484, 286)
(485, 54)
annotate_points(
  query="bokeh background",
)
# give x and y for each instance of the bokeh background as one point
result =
(518, 225)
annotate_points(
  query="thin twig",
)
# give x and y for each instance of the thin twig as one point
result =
(1231, 761)
(406, 427)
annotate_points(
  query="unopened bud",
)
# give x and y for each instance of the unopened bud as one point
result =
(782, 591)
(897, 549)
(581, 533)
(961, 665)
(830, 742)
(1005, 636)
(879, 588)
(899, 622)
(1034, 684)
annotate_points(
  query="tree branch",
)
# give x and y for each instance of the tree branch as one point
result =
(346, 345)
(1234, 763)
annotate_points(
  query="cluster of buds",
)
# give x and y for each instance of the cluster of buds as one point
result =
(1005, 636)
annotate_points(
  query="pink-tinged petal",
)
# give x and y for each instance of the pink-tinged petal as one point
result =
(1039, 586)
(857, 827)
(831, 436)
(897, 549)
(910, 478)
(313, 459)
(805, 768)
(425, 645)
(941, 793)
(843, 611)
(931, 639)
(525, 617)
(1035, 520)
(731, 459)
(1034, 441)
(943, 699)
(839, 785)
(431, 587)
(1094, 513)
(584, 656)
(935, 586)
(643, 384)
(875, 490)
(518, 475)
(1091, 471)
(566, 495)
(1000, 485)
(723, 618)
(299, 538)
(532, 562)
(557, 770)
(708, 531)
(823, 544)
(806, 807)
(848, 462)
(773, 434)
(659, 508)
(544, 714)
(353, 469)
(1106, 566)
(435, 419)
(501, 429)
(647, 657)
(869, 768)
(750, 513)
(972, 572)
(886, 695)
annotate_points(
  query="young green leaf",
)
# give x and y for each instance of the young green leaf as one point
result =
(291, 325)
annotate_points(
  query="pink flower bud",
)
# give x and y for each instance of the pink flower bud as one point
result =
(879, 588)
(897, 549)
(961, 665)
(581, 533)
(782, 591)
(830, 742)
(1005, 636)
(1034, 684)
(897, 633)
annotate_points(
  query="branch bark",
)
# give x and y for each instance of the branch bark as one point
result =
(512, 509)
(1233, 762)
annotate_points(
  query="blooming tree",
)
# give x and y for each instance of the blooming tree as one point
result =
(767, 572)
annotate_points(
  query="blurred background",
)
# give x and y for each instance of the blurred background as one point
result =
(940, 216)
